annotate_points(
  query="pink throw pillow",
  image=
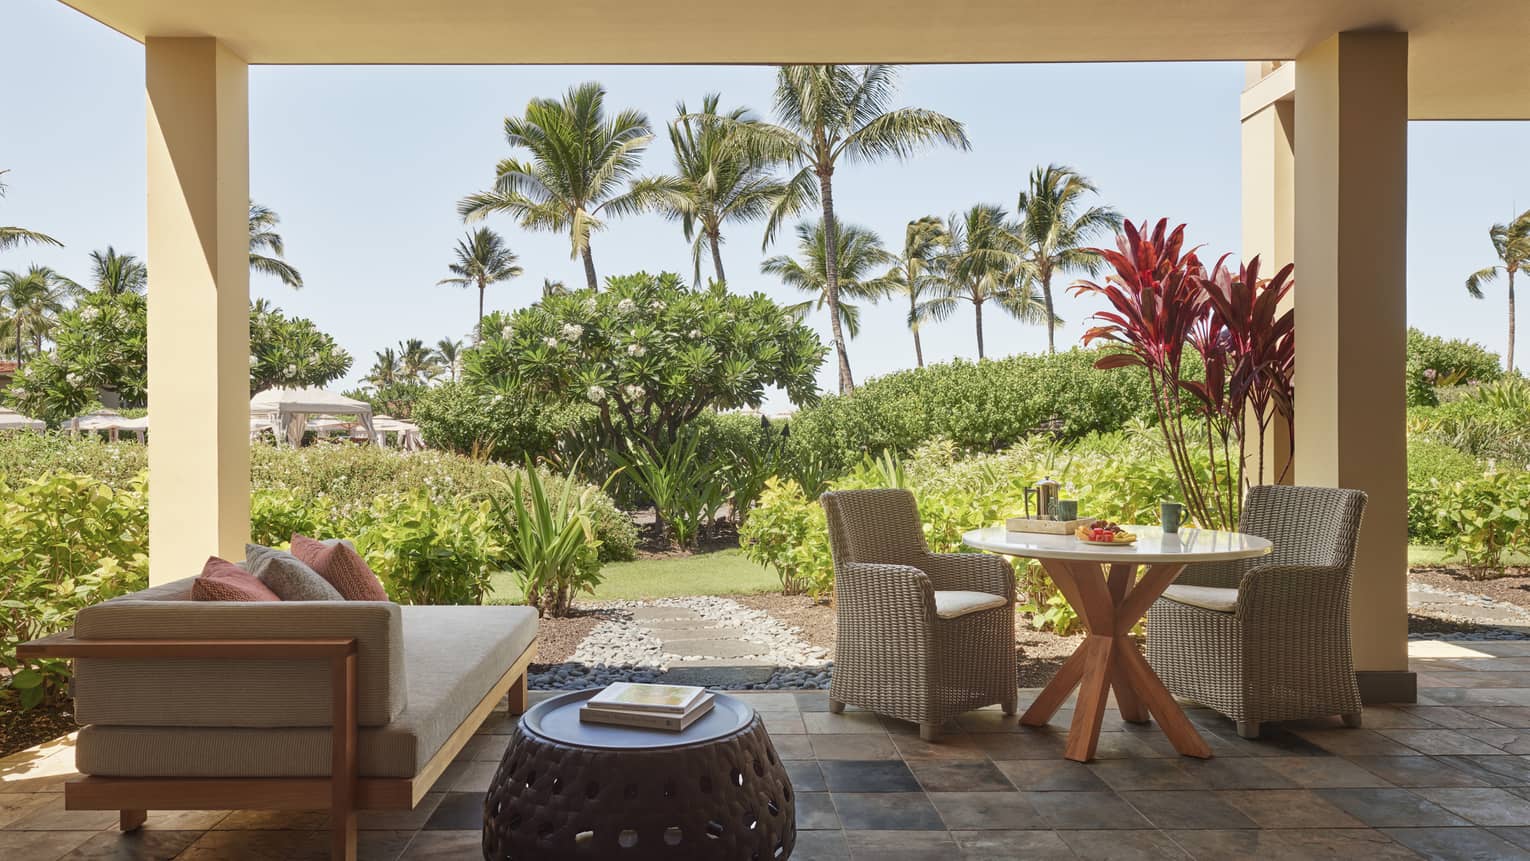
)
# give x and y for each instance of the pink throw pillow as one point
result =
(222, 580)
(338, 563)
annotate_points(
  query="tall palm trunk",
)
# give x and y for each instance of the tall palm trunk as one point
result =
(978, 307)
(712, 237)
(918, 349)
(1511, 320)
(17, 322)
(831, 276)
(482, 286)
(589, 267)
(1046, 296)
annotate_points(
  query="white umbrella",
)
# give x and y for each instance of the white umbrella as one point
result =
(12, 420)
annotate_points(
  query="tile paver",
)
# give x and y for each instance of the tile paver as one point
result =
(1449, 778)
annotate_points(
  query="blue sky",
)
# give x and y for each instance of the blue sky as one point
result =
(365, 165)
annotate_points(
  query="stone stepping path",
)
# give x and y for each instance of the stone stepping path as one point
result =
(714, 642)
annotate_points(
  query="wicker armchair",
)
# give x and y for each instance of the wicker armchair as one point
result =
(922, 636)
(1267, 639)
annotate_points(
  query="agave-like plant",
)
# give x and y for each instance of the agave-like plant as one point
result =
(554, 546)
(1164, 301)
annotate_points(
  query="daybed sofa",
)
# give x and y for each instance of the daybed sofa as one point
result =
(294, 705)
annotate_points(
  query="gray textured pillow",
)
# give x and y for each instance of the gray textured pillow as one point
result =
(288, 577)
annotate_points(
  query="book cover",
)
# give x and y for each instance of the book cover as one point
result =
(646, 720)
(663, 699)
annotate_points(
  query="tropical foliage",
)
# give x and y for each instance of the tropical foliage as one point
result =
(1053, 233)
(1436, 364)
(268, 251)
(1511, 245)
(10, 237)
(860, 257)
(482, 259)
(650, 353)
(581, 170)
(914, 274)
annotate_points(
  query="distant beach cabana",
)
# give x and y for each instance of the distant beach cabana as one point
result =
(12, 420)
(287, 411)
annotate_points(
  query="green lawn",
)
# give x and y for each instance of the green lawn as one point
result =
(1426, 554)
(725, 572)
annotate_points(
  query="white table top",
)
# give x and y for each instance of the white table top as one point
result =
(1153, 545)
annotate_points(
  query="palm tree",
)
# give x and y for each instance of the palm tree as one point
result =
(34, 299)
(979, 263)
(117, 274)
(581, 168)
(10, 237)
(449, 353)
(482, 259)
(553, 287)
(717, 181)
(1053, 234)
(860, 253)
(386, 370)
(1511, 242)
(914, 273)
(826, 114)
(264, 238)
(417, 362)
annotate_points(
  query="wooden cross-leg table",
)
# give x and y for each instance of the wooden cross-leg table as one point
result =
(1108, 659)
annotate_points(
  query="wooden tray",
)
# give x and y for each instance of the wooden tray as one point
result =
(1046, 527)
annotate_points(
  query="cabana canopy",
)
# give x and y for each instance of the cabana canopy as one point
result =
(12, 420)
(289, 410)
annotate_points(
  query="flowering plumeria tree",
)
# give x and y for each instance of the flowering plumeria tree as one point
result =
(650, 353)
(101, 345)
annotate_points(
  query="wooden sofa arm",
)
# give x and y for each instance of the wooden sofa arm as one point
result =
(345, 760)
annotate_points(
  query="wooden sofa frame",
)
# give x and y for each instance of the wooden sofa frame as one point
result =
(343, 793)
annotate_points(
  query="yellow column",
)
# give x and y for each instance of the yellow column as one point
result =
(1269, 201)
(1351, 248)
(199, 291)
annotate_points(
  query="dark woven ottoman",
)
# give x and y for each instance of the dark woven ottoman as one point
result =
(586, 791)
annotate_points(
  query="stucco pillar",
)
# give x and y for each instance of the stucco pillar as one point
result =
(1351, 298)
(1269, 225)
(199, 291)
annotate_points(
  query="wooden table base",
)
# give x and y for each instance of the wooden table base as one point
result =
(1108, 660)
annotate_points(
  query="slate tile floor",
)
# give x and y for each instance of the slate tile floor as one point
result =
(1448, 778)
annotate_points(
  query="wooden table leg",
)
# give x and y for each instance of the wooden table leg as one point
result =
(1108, 659)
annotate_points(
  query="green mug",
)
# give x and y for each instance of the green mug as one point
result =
(1172, 515)
(1065, 509)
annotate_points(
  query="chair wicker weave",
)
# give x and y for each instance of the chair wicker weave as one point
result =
(895, 655)
(1283, 653)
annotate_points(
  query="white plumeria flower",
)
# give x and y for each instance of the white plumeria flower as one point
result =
(572, 331)
(292, 370)
(73, 378)
(626, 306)
(253, 361)
(596, 394)
(694, 334)
(656, 305)
(633, 392)
(505, 332)
(636, 350)
(551, 342)
(89, 314)
(589, 305)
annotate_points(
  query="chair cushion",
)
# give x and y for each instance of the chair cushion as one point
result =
(287, 576)
(1205, 597)
(340, 564)
(453, 655)
(949, 604)
(222, 580)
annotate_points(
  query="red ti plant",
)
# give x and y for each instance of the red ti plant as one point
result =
(1162, 300)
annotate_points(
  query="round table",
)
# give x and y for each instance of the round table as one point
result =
(571, 790)
(1109, 605)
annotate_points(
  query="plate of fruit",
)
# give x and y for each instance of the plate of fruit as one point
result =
(1104, 532)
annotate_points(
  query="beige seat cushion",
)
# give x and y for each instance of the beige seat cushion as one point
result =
(953, 603)
(1205, 597)
(452, 657)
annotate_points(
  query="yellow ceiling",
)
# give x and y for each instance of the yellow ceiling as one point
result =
(1467, 58)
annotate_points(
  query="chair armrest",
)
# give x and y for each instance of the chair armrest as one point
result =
(1311, 592)
(1222, 574)
(971, 572)
(899, 593)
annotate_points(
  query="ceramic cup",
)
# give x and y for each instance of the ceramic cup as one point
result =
(1172, 514)
(1065, 509)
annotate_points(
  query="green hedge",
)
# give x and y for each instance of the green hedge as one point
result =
(1434, 362)
(982, 406)
(1433, 468)
(468, 420)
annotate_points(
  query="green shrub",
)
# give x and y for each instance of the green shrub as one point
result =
(554, 550)
(430, 551)
(1486, 518)
(1477, 428)
(787, 532)
(66, 542)
(1433, 467)
(1434, 362)
(981, 407)
(28, 456)
(470, 420)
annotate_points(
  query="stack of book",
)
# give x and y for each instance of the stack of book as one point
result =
(671, 707)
